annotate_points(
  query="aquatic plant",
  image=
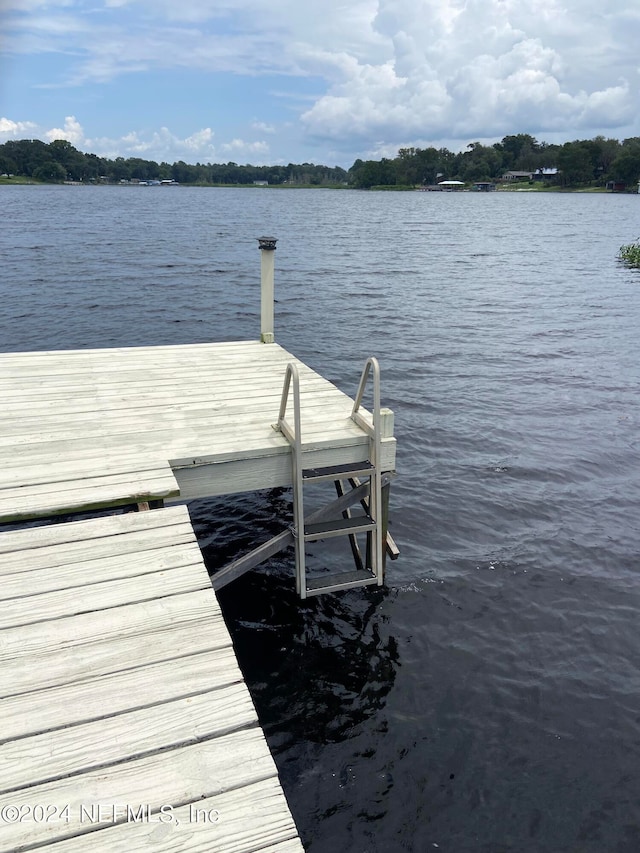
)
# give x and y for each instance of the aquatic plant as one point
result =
(630, 254)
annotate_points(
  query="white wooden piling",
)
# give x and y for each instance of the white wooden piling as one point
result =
(267, 247)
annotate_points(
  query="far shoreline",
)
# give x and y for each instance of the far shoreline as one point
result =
(524, 187)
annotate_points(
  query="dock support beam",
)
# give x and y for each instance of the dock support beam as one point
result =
(267, 247)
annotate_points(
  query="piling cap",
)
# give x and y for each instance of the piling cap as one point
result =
(267, 242)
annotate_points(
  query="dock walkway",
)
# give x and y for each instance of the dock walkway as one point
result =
(121, 693)
(126, 724)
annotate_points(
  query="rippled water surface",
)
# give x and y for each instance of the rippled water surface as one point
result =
(488, 698)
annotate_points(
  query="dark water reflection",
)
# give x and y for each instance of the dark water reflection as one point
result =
(488, 699)
(323, 666)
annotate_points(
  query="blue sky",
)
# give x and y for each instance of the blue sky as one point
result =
(323, 81)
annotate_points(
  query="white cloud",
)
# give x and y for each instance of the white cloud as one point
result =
(58, 25)
(240, 36)
(480, 68)
(15, 129)
(161, 145)
(385, 73)
(33, 5)
(72, 132)
(246, 149)
(263, 127)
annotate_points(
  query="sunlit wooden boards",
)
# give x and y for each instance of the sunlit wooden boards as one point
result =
(88, 428)
(126, 724)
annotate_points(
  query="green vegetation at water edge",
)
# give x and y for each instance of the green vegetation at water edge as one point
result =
(517, 162)
(15, 179)
(59, 161)
(630, 254)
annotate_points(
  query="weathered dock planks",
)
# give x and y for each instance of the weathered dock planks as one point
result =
(121, 695)
(126, 723)
(90, 428)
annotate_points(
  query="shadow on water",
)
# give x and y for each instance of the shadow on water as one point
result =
(316, 669)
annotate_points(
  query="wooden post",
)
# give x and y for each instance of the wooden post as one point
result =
(390, 548)
(386, 423)
(267, 247)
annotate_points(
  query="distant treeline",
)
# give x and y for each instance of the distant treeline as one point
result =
(584, 162)
(59, 161)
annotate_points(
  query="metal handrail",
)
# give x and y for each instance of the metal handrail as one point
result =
(372, 367)
(294, 437)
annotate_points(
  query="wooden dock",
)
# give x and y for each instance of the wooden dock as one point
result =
(85, 429)
(126, 723)
(121, 692)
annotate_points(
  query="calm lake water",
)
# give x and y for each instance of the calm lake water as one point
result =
(488, 698)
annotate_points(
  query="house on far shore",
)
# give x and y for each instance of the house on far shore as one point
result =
(546, 174)
(483, 187)
(517, 176)
(616, 186)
